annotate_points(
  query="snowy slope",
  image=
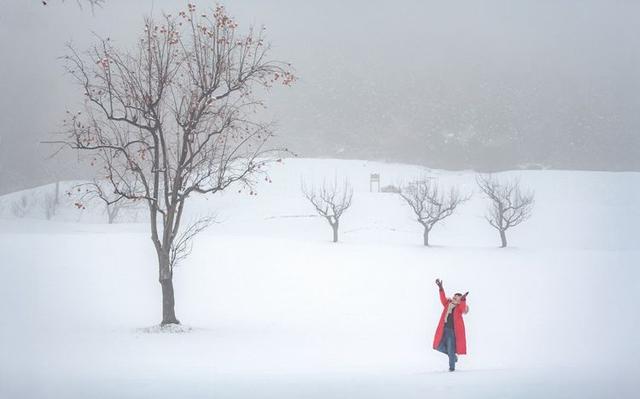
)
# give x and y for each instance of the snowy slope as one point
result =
(278, 311)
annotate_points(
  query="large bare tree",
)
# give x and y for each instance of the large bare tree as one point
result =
(429, 203)
(330, 201)
(175, 116)
(509, 205)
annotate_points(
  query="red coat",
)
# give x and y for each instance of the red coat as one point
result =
(458, 324)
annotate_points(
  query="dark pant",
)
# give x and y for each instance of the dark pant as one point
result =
(448, 346)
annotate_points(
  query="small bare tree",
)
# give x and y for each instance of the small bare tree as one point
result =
(50, 205)
(330, 201)
(103, 191)
(56, 193)
(20, 207)
(509, 206)
(175, 117)
(429, 204)
(113, 209)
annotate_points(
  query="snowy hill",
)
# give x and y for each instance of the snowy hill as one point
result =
(278, 311)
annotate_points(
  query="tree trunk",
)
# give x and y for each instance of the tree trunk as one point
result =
(168, 301)
(111, 214)
(335, 232)
(503, 239)
(425, 237)
(57, 199)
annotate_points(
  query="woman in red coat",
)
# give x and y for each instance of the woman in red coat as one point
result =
(450, 335)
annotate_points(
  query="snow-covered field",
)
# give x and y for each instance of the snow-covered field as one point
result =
(276, 310)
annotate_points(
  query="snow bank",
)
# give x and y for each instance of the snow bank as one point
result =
(166, 329)
(280, 312)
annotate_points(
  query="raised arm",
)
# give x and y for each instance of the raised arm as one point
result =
(462, 306)
(443, 297)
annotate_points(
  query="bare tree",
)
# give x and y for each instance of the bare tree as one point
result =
(50, 204)
(113, 209)
(330, 201)
(429, 204)
(50, 201)
(509, 206)
(56, 194)
(20, 207)
(103, 191)
(175, 117)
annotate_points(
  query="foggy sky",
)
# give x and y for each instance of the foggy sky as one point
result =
(460, 84)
